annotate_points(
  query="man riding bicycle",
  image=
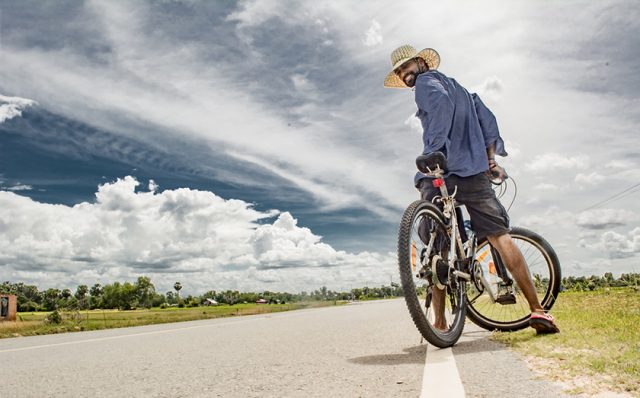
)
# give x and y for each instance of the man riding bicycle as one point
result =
(459, 125)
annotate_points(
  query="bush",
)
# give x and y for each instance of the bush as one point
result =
(163, 306)
(53, 318)
(29, 306)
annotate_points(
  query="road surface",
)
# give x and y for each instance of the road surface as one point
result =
(368, 349)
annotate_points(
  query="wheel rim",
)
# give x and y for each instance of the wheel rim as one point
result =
(542, 273)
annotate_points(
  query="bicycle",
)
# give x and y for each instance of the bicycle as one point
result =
(435, 251)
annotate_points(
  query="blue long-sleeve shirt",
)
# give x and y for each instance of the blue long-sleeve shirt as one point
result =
(456, 123)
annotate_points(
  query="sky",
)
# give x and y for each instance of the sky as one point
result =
(251, 145)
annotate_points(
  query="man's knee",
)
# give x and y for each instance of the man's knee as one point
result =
(500, 239)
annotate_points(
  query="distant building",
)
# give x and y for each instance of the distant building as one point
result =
(261, 301)
(210, 301)
(8, 307)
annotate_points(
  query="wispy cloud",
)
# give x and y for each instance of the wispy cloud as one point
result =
(19, 187)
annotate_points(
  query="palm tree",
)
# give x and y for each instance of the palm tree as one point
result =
(177, 286)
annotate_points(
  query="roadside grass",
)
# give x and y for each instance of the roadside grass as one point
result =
(598, 347)
(33, 323)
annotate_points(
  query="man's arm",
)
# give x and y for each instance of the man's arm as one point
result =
(433, 100)
(492, 140)
(489, 126)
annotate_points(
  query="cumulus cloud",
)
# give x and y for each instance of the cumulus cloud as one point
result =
(616, 245)
(605, 218)
(212, 242)
(556, 161)
(414, 123)
(490, 89)
(373, 36)
(11, 107)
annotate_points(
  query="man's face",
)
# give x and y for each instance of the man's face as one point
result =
(408, 72)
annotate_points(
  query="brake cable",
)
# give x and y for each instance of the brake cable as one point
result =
(502, 189)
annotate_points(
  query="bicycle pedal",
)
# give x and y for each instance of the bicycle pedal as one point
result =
(506, 299)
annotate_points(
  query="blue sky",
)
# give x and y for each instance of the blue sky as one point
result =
(270, 119)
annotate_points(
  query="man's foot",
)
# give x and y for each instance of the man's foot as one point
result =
(506, 299)
(543, 323)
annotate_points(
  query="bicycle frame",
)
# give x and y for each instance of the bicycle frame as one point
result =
(456, 250)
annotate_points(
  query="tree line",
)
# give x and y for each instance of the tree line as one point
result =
(142, 294)
(593, 282)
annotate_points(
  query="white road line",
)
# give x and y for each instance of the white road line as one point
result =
(441, 377)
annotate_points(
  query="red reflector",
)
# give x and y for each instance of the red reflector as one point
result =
(438, 182)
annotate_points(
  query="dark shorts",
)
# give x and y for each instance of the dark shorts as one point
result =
(488, 216)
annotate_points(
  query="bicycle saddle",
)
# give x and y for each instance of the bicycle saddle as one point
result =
(431, 161)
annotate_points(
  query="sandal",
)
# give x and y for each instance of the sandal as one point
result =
(543, 323)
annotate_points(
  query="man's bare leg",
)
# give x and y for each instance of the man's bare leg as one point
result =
(517, 266)
(438, 304)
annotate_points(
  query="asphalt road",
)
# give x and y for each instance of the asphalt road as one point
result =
(359, 350)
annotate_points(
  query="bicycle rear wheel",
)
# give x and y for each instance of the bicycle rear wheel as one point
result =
(544, 269)
(422, 241)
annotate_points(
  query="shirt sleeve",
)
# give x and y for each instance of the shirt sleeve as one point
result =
(433, 100)
(489, 126)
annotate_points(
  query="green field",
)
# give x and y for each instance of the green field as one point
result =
(33, 323)
(598, 348)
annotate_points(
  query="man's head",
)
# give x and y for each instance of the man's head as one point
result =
(409, 71)
(407, 64)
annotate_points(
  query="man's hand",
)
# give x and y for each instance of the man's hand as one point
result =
(496, 172)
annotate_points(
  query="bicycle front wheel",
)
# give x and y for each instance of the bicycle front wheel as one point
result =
(544, 269)
(437, 311)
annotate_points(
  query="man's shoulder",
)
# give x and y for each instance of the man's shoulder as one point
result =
(431, 75)
(432, 81)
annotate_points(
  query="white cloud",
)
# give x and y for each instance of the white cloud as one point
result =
(593, 178)
(555, 161)
(153, 187)
(373, 35)
(616, 245)
(545, 186)
(11, 107)
(195, 235)
(605, 218)
(619, 164)
(490, 89)
(553, 216)
(414, 124)
(19, 187)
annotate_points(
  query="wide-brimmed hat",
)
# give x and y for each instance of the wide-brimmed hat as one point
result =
(405, 53)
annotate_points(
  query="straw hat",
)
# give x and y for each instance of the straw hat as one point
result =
(405, 53)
